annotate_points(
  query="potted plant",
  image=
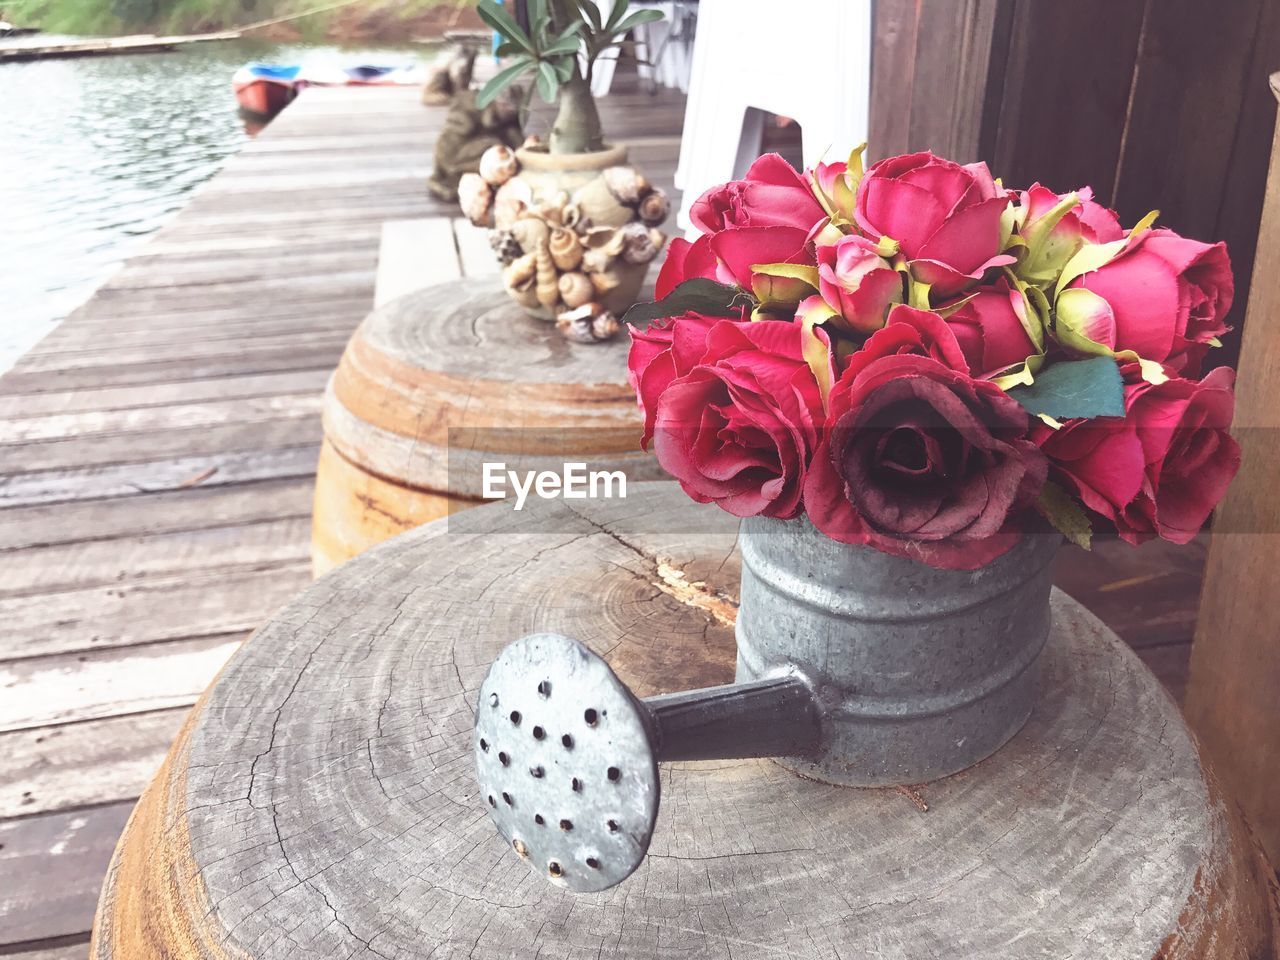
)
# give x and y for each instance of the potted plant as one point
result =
(574, 225)
(911, 383)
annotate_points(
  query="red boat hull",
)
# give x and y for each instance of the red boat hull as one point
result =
(264, 97)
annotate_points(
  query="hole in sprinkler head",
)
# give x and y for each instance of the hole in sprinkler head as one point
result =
(555, 869)
(544, 688)
(614, 774)
(506, 798)
(591, 717)
(519, 847)
(567, 741)
(492, 802)
(577, 785)
(593, 863)
(539, 733)
(493, 699)
(538, 819)
(515, 717)
(484, 744)
(566, 825)
(613, 826)
(503, 758)
(537, 773)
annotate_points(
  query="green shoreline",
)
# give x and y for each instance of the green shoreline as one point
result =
(368, 20)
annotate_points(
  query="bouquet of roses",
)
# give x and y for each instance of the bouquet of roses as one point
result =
(923, 361)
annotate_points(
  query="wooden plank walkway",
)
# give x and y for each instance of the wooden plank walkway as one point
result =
(156, 456)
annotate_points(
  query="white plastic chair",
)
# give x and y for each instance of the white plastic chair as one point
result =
(806, 59)
(664, 44)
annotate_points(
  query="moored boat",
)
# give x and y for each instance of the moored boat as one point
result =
(264, 89)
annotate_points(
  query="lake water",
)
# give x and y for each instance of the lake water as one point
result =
(97, 153)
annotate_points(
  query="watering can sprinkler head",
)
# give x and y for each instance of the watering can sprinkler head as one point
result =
(567, 756)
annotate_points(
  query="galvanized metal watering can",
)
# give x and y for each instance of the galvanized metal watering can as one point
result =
(854, 667)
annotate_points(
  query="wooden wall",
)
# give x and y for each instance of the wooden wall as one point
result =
(1156, 104)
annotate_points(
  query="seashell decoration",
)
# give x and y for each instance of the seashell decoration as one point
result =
(576, 289)
(577, 257)
(566, 248)
(589, 323)
(653, 209)
(498, 164)
(475, 196)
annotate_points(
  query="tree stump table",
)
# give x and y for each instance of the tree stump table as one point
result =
(442, 380)
(321, 800)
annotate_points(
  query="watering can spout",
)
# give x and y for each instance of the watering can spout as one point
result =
(567, 756)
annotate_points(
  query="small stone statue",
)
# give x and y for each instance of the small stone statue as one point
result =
(449, 76)
(469, 131)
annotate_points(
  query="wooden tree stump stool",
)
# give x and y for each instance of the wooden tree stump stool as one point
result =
(436, 383)
(321, 800)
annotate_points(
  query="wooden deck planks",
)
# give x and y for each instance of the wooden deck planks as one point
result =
(156, 460)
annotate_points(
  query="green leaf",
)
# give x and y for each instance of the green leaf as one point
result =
(1075, 388)
(1067, 516)
(548, 82)
(699, 295)
(590, 13)
(500, 80)
(561, 47)
(565, 67)
(615, 14)
(508, 48)
(537, 15)
(637, 18)
(501, 21)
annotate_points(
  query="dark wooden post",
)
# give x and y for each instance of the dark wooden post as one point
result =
(1233, 699)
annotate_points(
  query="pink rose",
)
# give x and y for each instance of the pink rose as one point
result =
(739, 427)
(1162, 468)
(685, 261)
(990, 328)
(1165, 298)
(741, 248)
(945, 216)
(728, 256)
(664, 350)
(772, 194)
(920, 459)
(858, 283)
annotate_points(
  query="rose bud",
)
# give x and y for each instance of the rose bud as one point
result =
(858, 283)
(946, 217)
(740, 427)
(920, 459)
(772, 194)
(1161, 468)
(1162, 296)
(997, 329)
(1055, 227)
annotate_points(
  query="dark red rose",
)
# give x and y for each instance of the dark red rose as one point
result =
(1161, 468)
(919, 458)
(772, 194)
(739, 427)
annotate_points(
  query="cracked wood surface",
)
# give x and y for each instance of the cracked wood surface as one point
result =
(320, 801)
(437, 382)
